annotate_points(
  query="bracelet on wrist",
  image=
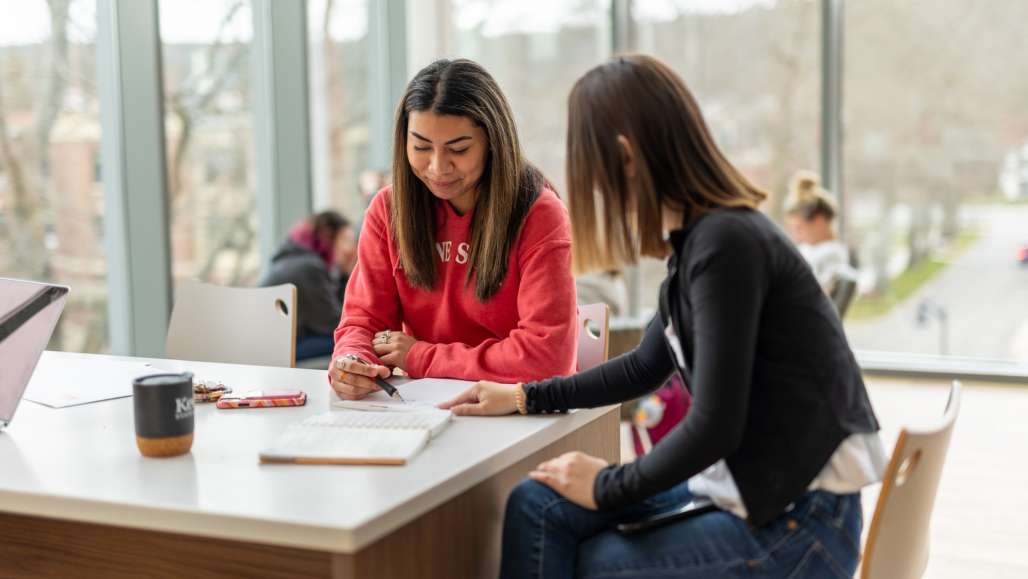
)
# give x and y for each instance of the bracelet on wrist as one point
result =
(519, 398)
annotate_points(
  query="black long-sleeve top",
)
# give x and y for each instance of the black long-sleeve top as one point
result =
(775, 385)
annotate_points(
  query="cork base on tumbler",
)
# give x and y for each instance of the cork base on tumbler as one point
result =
(165, 447)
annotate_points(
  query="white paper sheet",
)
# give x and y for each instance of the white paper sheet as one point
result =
(418, 394)
(81, 381)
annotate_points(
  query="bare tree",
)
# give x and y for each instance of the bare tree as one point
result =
(24, 232)
(31, 197)
(198, 91)
(190, 102)
(56, 81)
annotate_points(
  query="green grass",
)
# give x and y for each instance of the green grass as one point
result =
(908, 282)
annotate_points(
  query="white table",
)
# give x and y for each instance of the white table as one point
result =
(75, 494)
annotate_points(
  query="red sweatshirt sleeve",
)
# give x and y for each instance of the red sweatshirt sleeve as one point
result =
(372, 302)
(544, 343)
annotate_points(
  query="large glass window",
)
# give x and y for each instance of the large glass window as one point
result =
(535, 49)
(338, 72)
(754, 67)
(211, 178)
(51, 200)
(936, 175)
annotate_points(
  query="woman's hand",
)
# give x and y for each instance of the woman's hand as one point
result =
(392, 347)
(353, 378)
(485, 399)
(571, 474)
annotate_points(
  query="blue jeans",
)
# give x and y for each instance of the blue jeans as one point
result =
(314, 346)
(546, 536)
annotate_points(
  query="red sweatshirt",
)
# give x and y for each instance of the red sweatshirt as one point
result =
(526, 331)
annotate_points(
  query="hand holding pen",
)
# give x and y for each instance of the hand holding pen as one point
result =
(354, 378)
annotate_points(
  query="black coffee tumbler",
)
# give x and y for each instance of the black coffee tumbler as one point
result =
(164, 413)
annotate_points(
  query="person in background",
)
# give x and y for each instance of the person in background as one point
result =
(317, 257)
(810, 218)
(781, 435)
(464, 267)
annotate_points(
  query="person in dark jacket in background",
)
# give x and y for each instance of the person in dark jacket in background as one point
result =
(317, 257)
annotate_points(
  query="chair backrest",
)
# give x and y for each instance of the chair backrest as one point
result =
(212, 323)
(843, 291)
(897, 541)
(593, 329)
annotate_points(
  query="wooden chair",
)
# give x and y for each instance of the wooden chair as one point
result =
(897, 541)
(212, 323)
(593, 332)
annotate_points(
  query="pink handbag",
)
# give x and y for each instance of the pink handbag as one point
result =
(658, 413)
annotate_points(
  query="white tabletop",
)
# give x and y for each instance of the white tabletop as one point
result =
(81, 463)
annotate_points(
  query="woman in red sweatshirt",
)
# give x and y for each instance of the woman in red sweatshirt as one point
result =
(464, 264)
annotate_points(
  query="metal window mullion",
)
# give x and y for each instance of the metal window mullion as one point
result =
(831, 102)
(134, 175)
(281, 118)
(622, 39)
(387, 76)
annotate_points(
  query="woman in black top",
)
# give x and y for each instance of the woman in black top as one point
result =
(781, 435)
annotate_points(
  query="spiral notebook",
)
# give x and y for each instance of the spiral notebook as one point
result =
(386, 438)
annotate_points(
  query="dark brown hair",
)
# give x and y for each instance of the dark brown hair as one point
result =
(327, 224)
(807, 199)
(678, 166)
(508, 186)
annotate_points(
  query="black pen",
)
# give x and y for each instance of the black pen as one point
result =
(385, 386)
(389, 389)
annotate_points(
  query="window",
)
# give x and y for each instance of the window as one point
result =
(936, 166)
(209, 130)
(536, 50)
(51, 200)
(338, 72)
(754, 67)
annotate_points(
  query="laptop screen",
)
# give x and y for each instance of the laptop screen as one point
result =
(28, 316)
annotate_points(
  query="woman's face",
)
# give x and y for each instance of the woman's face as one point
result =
(345, 250)
(448, 153)
(813, 230)
(798, 228)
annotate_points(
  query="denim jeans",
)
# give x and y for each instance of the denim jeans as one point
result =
(546, 536)
(314, 346)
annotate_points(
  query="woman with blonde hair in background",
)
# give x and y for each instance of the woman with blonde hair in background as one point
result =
(810, 218)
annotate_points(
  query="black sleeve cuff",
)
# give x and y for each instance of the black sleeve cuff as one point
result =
(603, 492)
(537, 400)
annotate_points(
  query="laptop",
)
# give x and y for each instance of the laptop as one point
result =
(28, 316)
